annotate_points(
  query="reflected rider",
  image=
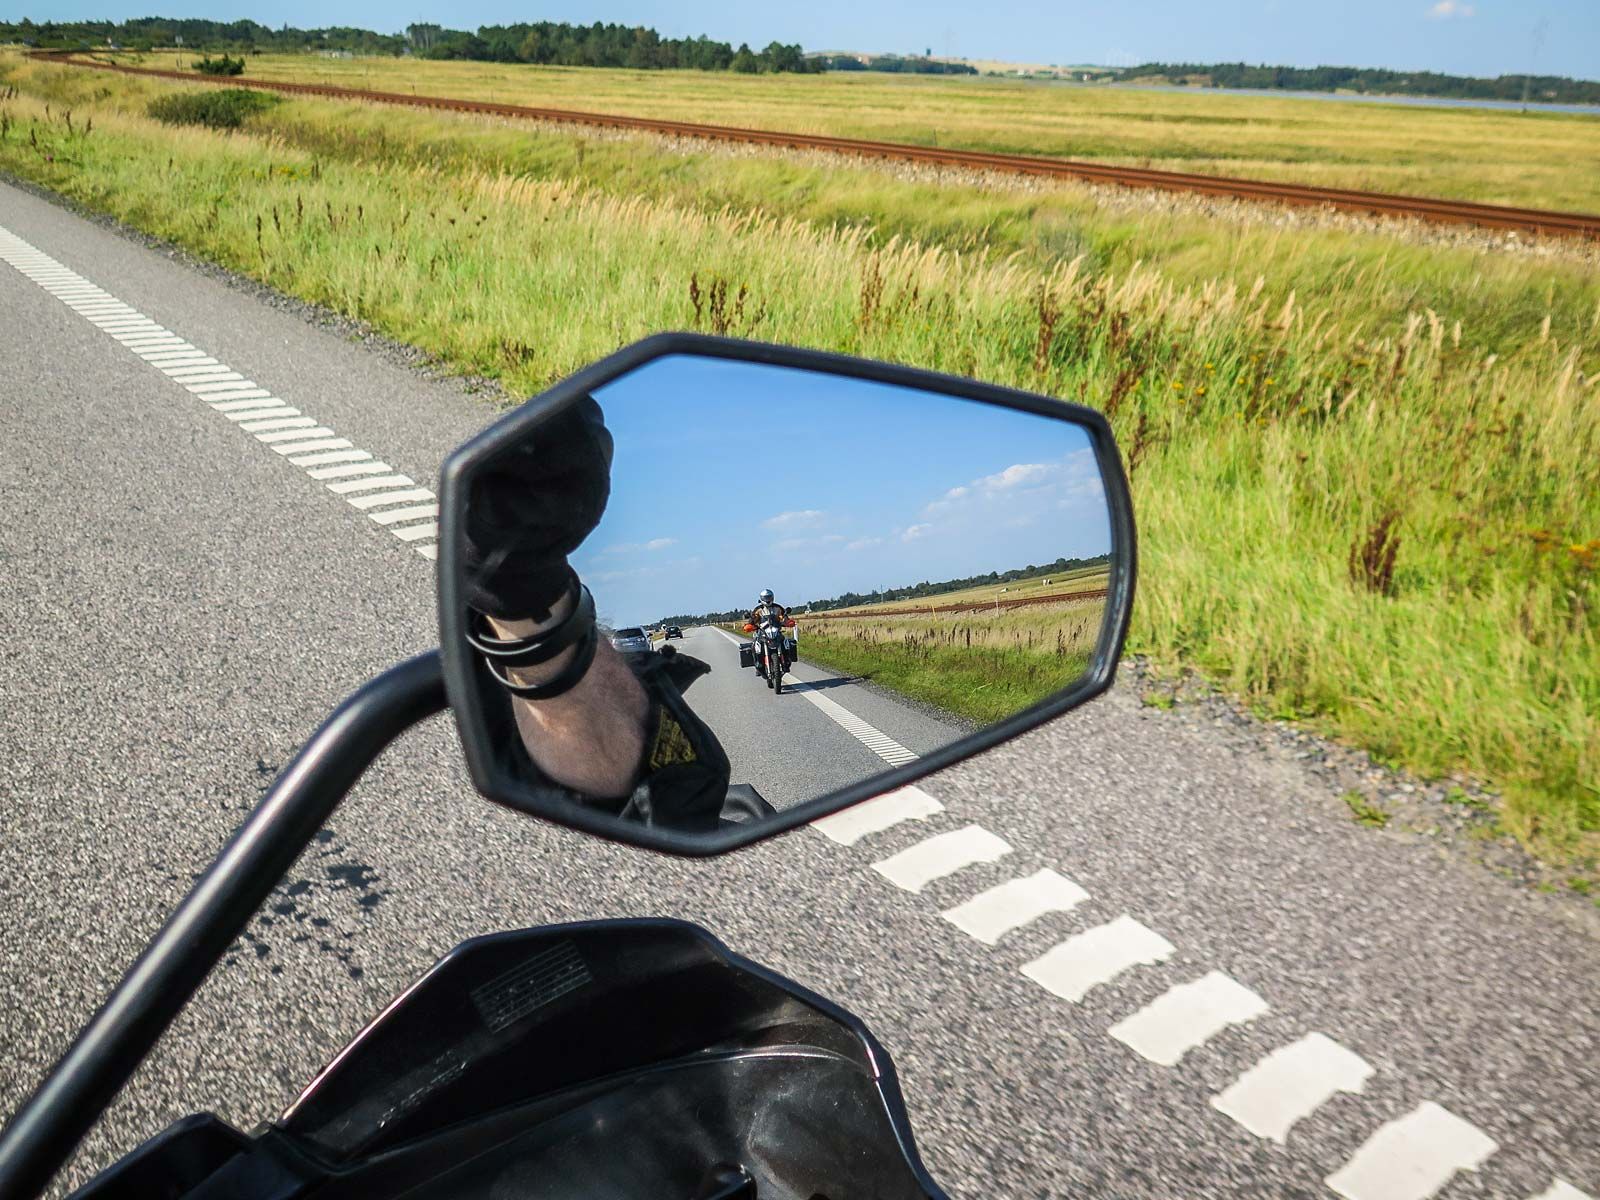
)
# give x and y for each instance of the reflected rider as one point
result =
(602, 729)
(767, 607)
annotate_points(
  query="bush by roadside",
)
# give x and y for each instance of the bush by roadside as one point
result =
(225, 109)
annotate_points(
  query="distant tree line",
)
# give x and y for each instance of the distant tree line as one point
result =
(149, 33)
(893, 63)
(598, 45)
(1547, 88)
(916, 591)
(547, 42)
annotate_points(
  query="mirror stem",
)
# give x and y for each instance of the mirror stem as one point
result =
(46, 1130)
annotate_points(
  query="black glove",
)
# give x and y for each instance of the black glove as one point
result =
(531, 508)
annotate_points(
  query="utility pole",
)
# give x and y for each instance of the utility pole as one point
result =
(1533, 59)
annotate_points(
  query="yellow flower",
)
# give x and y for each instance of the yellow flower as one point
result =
(1269, 381)
(1177, 386)
(1200, 391)
(1210, 367)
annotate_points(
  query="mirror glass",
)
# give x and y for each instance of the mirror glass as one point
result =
(811, 578)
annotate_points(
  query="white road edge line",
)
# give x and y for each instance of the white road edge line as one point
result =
(206, 377)
(880, 743)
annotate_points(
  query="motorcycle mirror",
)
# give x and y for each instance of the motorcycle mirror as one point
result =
(956, 559)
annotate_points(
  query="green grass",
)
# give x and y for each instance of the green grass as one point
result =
(1292, 404)
(1364, 811)
(1531, 159)
(983, 685)
(1365, 280)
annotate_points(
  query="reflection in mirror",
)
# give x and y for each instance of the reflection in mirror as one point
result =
(799, 580)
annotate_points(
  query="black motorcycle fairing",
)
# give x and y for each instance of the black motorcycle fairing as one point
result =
(171, 1165)
(802, 1123)
(509, 1017)
(640, 1054)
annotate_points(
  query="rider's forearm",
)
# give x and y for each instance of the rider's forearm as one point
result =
(591, 737)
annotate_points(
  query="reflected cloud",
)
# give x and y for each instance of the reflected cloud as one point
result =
(804, 518)
(653, 544)
(1016, 476)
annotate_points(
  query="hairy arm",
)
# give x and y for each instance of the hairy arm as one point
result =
(591, 738)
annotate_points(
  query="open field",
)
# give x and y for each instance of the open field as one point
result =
(981, 667)
(1520, 159)
(1367, 473)
(1038, 589)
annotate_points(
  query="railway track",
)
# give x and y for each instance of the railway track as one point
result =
(1537, 222)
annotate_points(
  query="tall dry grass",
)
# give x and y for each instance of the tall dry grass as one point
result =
(1534, 159)
(1386, 523)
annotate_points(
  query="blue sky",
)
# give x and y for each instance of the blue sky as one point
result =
(730, 477)
(1473, 37)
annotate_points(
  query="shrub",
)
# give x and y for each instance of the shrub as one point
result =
(225, 109)
(220, 66)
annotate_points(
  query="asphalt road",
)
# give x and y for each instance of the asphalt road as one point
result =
(786, 745)
(180, 606)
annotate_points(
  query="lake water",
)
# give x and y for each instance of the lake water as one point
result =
(1592, 110)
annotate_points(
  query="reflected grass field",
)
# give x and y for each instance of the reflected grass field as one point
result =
(980, 667)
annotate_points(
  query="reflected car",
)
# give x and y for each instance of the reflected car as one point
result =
(631, 640)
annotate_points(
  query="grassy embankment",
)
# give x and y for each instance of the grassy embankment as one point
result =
(1373, 502)
(1494, 156)
(977, 665)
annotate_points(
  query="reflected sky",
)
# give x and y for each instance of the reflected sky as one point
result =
(730, 477)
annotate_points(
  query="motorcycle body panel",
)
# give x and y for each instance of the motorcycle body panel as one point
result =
(522, 1061)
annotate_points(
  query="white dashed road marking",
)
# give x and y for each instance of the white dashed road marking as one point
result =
(941, 855)
(1560, 1190)
(1187, 1016)
(909, 803)
(1412, 1157)
(1096, 956)
(1290, 1084)
(300, 440)
(991, 915)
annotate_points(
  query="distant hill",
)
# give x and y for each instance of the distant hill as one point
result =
(1556, 89)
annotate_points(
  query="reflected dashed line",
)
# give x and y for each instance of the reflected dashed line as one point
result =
(388, 499)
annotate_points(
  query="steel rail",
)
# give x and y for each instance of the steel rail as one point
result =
(1539, 222)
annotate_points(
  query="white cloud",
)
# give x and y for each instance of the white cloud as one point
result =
(789, 545)
(660, 543)
(915, 532)
(865, 543)
(1445, 9)
(1015, 476)
(805, 518)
